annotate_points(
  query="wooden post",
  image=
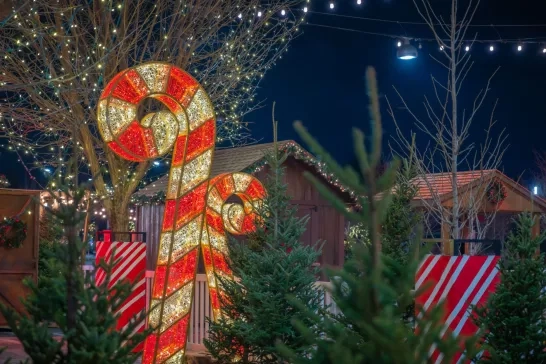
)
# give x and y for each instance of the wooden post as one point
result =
(447, 242)
(466, 234)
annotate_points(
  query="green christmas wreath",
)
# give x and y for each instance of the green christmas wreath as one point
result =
(496, 193)
(13, 232)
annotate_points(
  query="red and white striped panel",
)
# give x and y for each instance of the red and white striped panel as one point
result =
(131, 265)
(459, 282)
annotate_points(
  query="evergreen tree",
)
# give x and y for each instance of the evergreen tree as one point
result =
(513, 317)
(84, 312)
(51, 234)
(373, 290)
(399, 224)
(271, 265)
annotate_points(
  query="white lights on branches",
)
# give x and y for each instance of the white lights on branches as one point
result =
(467, 48)
(332, 5)
(305, 9)
(283, 12)
(260, 13)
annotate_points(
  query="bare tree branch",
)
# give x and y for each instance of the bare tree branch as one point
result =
(448, 129)
(58, 55)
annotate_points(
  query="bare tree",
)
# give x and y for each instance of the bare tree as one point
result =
(448, 124)
(58, 55)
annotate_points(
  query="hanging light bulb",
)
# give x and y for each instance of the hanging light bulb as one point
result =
(260, 13)
(442, 48)
(491, 48)
(305, 9)
(332, 5)
(358, 2)
(543, 50)
(520, 47)
(283, 12)
(467, 48)
(399, 44)
(240, 16)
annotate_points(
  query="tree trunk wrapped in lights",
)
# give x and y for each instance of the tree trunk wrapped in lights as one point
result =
(57, 57)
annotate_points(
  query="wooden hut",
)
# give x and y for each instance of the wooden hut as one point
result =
(18, 264)
(325, 224)
(474, 188)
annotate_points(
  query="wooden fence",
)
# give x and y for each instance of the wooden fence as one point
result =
(201, 308)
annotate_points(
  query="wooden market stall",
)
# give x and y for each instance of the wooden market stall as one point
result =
(18, 263)
(474, 187)
(326, 225)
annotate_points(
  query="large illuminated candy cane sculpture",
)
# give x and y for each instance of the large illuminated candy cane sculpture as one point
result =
(196, 213)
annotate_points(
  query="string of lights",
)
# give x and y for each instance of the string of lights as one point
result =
(491, 45)
(423, 23)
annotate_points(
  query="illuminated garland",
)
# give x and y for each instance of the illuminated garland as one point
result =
(294, 150)
(155, 199)
(4, 183)
(13, 233)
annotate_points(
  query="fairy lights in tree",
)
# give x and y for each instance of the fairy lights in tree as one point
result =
(196, 214)
(57, 56)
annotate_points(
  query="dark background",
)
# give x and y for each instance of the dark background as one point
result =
(321, 80)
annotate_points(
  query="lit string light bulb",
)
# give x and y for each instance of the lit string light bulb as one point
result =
(305, 9)
(467, 48)
(332, 5)
(543, 50)
(441, 48)
(283, 12)
(399, 44)
(358, 2)
(260, 13)
(520, 47)
(491, 48)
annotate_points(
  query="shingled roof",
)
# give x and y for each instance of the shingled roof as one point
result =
(439, 184)
(227, 160)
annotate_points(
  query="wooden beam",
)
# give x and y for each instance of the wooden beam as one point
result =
(447, 245)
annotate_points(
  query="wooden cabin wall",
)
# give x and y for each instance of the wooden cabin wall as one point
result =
(19, 264)
(326, 226)
(149, 220)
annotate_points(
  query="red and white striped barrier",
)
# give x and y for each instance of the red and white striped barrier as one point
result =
(130, 258)
(459, 282)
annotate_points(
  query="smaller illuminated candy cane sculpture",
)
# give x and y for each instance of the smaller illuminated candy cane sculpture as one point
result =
(196, 213)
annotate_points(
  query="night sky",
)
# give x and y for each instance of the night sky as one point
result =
(321, 80)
